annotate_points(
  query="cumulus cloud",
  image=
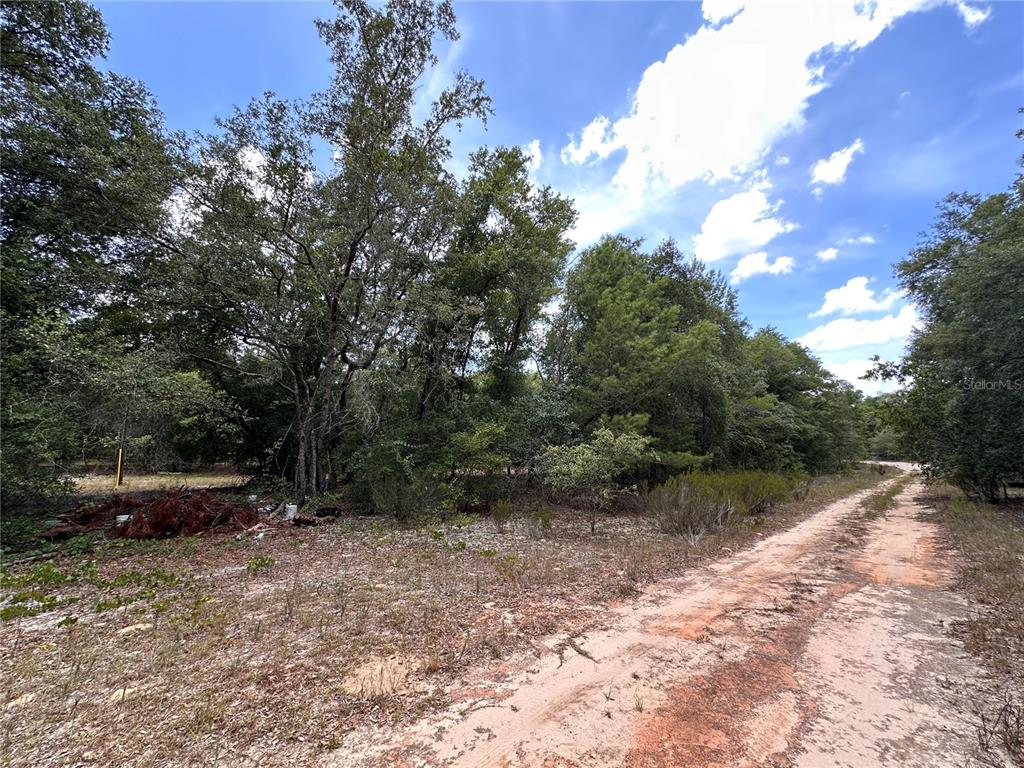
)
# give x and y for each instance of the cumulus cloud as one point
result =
(852, 370)
(860, 240)
(595, 142)
(848, 333)
(856, 297)
(715, 104)
(741, 223)
(758, 264)
(827, 254)
(832, 170)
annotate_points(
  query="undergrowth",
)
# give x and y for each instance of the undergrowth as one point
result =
(989, 540)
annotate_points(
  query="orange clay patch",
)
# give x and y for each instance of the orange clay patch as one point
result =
(743, 714)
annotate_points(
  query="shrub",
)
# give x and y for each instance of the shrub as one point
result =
(501, 514)
(259, 564)
(588, 470)
(690, 504)
(538, 523)
(404, 498)
(698, 502)
(757, 492)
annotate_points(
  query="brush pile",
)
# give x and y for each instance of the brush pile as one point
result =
(175, 513)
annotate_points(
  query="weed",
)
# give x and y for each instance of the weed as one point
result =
(31, 602)
(698, 502)
(259, 564)
(538, 523)
(880, 502)
(1003, 727)
(41, 575)
(501, 514)
(638, 702)
(508, 567)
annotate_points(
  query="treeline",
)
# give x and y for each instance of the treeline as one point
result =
(368, 321)
(960, 411)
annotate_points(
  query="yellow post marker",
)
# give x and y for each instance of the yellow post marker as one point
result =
(118, 478)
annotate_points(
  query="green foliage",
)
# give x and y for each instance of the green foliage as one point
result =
(653, 334)
(501, 513)
(84, 175)
(407, 498)
(588, 470)
(41, 575)
(259, 563)
(962, 411)
(690, 505)
(698, 502)
(26, 604)
(367, 322)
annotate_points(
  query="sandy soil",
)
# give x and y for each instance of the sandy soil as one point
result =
(824, 645)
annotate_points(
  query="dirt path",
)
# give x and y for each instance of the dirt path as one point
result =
(822, 646)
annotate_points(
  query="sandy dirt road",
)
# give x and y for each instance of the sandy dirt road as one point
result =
(824, 645)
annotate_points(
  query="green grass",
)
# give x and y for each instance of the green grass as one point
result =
(880, 502)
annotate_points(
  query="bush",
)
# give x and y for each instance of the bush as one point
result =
(501, 514)
(404, 498)
(757, 492)
(688, 505)
(588, 470)
(538, 523)
(698, 502)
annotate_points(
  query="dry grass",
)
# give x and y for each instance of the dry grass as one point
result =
(225, 650)
(989, 540)
(92, 485)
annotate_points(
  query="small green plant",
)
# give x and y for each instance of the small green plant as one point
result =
(538, 523)
(148, 579)
(501, 514)
(702, 501)
(508, 567)
(31, 602)
(41, 575)
(259, 564)
(880, 502)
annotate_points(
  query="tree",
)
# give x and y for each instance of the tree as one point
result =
(646, 334)
(320, 272)
(791, 413)
(83, 175)
(962, 414)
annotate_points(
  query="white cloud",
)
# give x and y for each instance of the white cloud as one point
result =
(852, 370)
(533, 152)
(594, 142)
(832, 170)
(743, 222)
(855, 297)
(860, 240)
(758, 264)
(827, 254)
(781, 160)
(972, 15)
(715, 104)
(849, 333)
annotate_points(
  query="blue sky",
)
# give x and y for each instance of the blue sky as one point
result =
(799, 148)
